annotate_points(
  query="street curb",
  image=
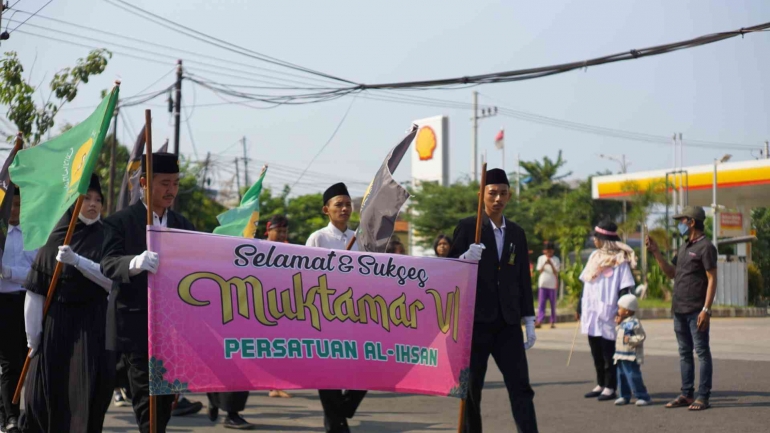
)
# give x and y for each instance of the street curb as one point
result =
(665, 313)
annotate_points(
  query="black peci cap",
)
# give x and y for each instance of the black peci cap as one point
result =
(334, 191)
(162, 162)
(497, 176)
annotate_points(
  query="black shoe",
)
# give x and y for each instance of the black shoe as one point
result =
(12, 426)
(186, 407)
(604, 397)
(212, 412)
(338, 427)
(593, 394)
(234, 421)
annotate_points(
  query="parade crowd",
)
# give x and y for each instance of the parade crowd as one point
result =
(91, 349)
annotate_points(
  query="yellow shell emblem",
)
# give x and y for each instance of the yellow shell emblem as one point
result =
(79, 161)
(425, 143)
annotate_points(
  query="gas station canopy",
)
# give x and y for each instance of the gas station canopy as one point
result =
(739, 184)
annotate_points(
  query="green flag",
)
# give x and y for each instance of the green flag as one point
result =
(53, 174)
(242, 221)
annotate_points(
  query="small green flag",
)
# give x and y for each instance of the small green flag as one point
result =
(242, 221)
(53, 174)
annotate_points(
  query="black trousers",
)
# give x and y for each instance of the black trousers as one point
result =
(339, 405)
(230, 402)
(602, 351)
(137, 365)
(506, 345)
(13, 349)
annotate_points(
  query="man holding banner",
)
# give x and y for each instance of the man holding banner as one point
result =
(126, 260)
(503, 298)
(338, 405)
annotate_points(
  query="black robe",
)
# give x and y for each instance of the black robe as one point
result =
(68, 388)
(230, 402)
(125, 236)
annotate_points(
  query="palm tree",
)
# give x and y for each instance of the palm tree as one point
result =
(545, 176)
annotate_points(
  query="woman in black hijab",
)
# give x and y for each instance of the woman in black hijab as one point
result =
(68, 387)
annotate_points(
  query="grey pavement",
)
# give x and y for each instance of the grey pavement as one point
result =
(741, 397)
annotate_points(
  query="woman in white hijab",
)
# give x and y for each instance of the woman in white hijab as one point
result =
(606, 277)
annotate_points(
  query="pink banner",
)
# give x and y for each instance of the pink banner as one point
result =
(234, 314)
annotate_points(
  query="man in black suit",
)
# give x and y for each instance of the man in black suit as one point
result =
(503, 298)
(126, 261)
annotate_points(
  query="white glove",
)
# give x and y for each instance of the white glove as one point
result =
(33, 320)
(7, 272)
(474, 252)
(529, 325)
(67, 256)
(147, 261)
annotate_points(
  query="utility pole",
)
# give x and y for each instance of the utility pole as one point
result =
(767, 149)
(245, 163)
(485, 112)
(474, 150)
(113, 151)
(4, 35)
(177, 106)
(238, 180)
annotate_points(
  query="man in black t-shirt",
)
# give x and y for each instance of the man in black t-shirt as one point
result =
(694, 270)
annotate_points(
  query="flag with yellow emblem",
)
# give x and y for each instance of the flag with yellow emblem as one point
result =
(242, 221)
(53, 174)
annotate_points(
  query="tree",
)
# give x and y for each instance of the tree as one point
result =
(103, 169)
(544, 176)
(193, 201)
(436, 209)
(760, 255)
(34, 121)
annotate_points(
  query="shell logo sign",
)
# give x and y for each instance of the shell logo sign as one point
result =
(425, 143)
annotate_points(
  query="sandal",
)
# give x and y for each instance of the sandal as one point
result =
(680, 401)
(699, 405)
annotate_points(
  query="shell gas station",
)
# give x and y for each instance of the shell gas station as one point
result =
(735, 187)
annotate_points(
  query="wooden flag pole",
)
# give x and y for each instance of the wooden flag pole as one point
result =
(148, 202)
(49, 297)
(479, 214)
(350, 244)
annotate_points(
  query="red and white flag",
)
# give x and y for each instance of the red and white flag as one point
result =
(499, 139)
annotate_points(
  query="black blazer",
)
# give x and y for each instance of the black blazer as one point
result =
(504, 286)
(125, 236)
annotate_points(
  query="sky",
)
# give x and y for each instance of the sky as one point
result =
(714, 92)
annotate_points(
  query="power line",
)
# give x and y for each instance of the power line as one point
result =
(526, 74)
(36, 12)
(180, 50)
(217, 67)
(549, 121)
(211, 40)
(345, 116)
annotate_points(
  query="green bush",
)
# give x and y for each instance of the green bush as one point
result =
(756, 284)
(570, 275)
(657, 282)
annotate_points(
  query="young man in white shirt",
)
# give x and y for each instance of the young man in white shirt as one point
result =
(548, 265)
(338, 405)
(13, 344)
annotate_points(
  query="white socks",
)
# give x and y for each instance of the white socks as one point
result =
(597, 389)
(608, 391)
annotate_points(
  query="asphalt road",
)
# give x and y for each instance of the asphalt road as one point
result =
(741, 398)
